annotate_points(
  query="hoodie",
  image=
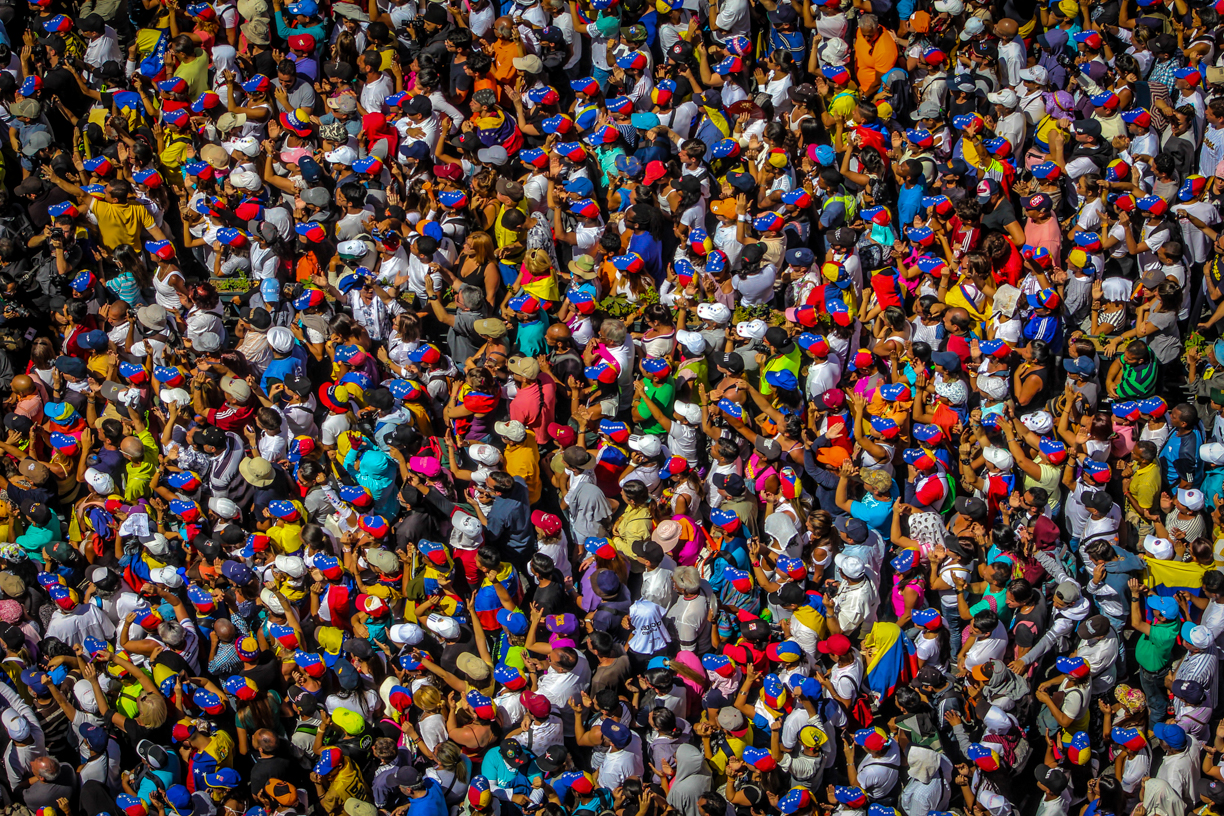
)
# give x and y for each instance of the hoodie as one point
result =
(693, 779)
(1063, 620)
(1111, 594)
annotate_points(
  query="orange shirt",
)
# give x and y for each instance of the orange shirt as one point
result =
(504, 54)
(872, 61)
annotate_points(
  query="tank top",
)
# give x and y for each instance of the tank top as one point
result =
(165, 294)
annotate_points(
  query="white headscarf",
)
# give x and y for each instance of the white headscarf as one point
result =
(225, 58)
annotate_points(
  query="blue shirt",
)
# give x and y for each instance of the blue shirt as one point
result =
(875, 513)
(433, 803)
(909, 202)
(281, 369)
(651, 250)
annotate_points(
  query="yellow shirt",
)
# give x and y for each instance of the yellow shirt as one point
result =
(786, 362)
(121, 223)
(523, 460)
(195, 73)
(346, 784)
(286, 537)
(140, 474)
(174, 154)
(1145, 486)
(634, 525)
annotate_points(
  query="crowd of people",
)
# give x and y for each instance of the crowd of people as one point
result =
(611, 408)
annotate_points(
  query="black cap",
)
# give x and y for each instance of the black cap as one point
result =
(930, 676)
(299, 384)
(207, 547)
(731, 483)
(843, 237)
(339, 70)
(435, 13)
(553, 759)
(753, 253)
(681, 51)
(553, 35)
(1088, 127)
(359, 647)
(17, 422)
(791, 594)
(1093, 627)
(1210, 789)
(777, 337)
(1054, 779)
(1097, 500)
(91, 22)
(754, 629)
(650, 550)
(972, 507)
(731, 362)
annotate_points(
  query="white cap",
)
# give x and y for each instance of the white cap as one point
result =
(716, 312)
(1159, 548)
(1201, 637)
(493, 155)
(271, 601)
(280, 339)
(177, 396)
(690, 411)
(1191, 499)
(442, 626)
(999, 458)
(342, 155)
(751, 329)
(693, 342)
(87, 701)
(291, 565)
(247, 145)
(972, 28)
(245, 180)
(850, 566)
(484, 454)
(225, 508)
(17, 726)
(166, 576)
(953, 7)
(158, 544)
(481, 474)
(646, 444)
(1212, 453)
(406, 634)
(513, 430)
(1038, 422)
(1037, 74)
(466, 523)
(1006, 97)
(833, 51)
(101, 483)
(353, 249)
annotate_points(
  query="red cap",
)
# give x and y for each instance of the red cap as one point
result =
(537, 705)
(547, 522)
(836, 645)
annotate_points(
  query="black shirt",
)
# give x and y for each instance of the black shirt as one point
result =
(998, 218)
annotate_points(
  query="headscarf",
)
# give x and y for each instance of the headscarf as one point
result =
(998, 721)
(225, 58)
(1159, 798)
(376, 129)
(1006, 687)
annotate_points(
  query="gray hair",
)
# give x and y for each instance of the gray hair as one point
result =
(49, 769)
(869, 21)
(613, 331)
(172, 634)
(687, 580)
(470, 298)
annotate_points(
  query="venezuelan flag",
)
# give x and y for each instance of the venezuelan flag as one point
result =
(891, 658)
(1165, 578)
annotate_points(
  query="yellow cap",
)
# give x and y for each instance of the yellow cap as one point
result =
(812, 737)
(1077, 258)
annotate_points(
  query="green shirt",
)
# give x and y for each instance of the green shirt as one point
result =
(788, 362)
(664, 396)
(1154, 651)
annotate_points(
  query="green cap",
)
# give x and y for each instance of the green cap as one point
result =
(608, 26)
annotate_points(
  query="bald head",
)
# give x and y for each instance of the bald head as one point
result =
(131, 448)
(266, 741)
(556, 332)
(225, 630)
(1006, 29)
(22, 385)
(117, 311)
(45, 768)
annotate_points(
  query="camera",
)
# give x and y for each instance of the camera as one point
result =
(56, 235)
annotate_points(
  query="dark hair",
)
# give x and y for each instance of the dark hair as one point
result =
(1022, 590)
(985, 621)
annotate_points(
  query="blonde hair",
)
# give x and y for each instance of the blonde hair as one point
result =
(151, 709)
(483, 248)
(428, 698)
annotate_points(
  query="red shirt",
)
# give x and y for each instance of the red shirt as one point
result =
(231, 417)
